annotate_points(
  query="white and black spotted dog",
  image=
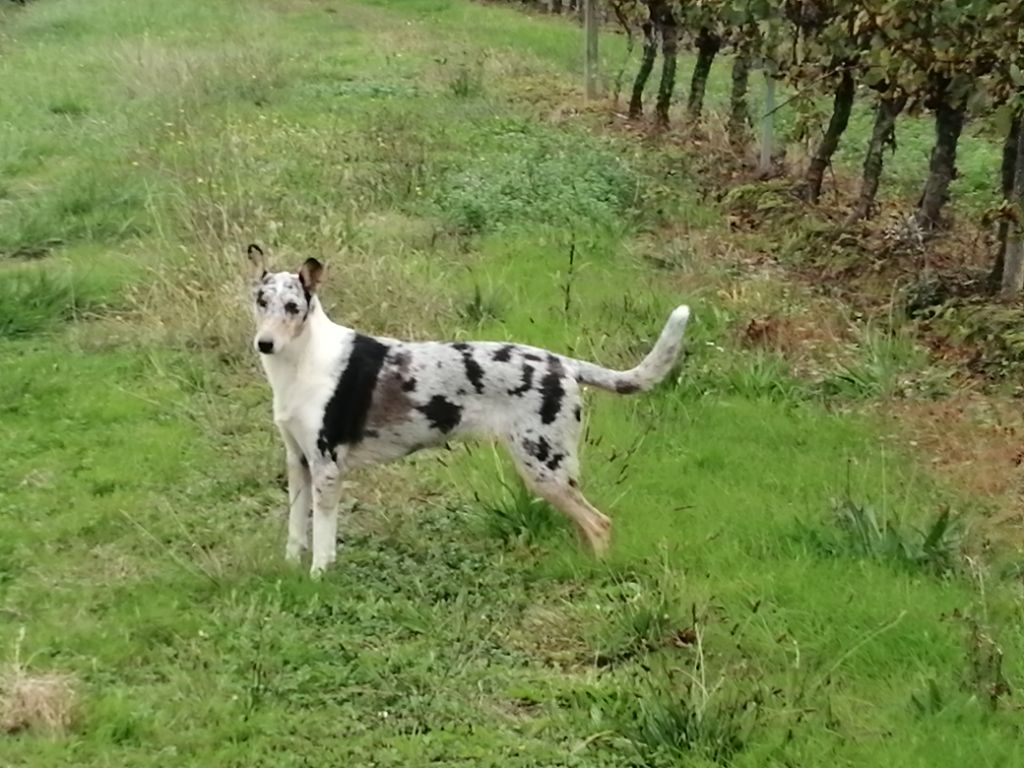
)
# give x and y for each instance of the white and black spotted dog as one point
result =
(343, 399)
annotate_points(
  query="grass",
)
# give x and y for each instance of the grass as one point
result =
(417, 148)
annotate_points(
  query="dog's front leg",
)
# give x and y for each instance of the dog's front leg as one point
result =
(300, 502)
(326, 491)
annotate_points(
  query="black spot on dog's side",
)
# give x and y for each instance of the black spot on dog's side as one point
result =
(573, 482)
(474, 372)
(532, 356)
(304, 461)
(551, 392)
(527, 382)
(503, 354)
(539, 449)
(577, 413)
(626, 388)
(345, 416)
(409, 385)
(556, 460)
(443, 414)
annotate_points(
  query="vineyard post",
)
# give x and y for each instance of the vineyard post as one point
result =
(767, 125)
(590, 65)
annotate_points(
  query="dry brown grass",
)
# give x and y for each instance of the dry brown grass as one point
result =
(35, 701)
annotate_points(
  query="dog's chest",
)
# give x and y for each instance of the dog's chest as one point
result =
(299, 397)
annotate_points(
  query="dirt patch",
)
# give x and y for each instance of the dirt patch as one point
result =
(977, 442)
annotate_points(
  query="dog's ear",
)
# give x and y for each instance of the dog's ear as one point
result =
(311, 274)
(257, 260)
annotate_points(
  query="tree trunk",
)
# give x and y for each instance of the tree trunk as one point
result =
(1013, 259)
(949, 122)
(708, 45)
(669, 47)
(739, 113)
(883, 135)
(841, 106)
(627, 27)
(636, 103)
(1006, 186)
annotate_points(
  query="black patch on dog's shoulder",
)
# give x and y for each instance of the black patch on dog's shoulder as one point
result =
(409, 385)
(503, 354)
(443, 414)
(551, 391)
(577, 413)
(626, 388)
(555, 461)
(527, 384)
(344, 419)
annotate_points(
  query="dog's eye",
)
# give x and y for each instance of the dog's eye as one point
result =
(261, 302)
(291, 308)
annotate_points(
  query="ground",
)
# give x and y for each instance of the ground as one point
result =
(792, 581)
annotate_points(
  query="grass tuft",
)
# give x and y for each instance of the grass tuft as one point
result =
(37, 701)
(518, 517)
(37, 299)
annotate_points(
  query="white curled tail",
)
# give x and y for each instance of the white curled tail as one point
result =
(652, 369)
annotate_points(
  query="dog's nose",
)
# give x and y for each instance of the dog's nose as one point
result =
(265, 347)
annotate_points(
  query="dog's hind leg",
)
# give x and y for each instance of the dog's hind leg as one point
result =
(546, 457)
(594, 528)
(326, 492)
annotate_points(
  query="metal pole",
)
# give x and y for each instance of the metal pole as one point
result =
(767, 125)
(591, 76)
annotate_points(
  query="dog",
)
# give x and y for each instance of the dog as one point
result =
(343, 399)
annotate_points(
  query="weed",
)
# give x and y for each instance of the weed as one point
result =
(929, 702)
(516, 516)
(885, 363)
(682, 713)
(549, 178)
(479, 309)
(32, 300)
(860, 531)
(468, 81)
(641, 614)
(986, 677)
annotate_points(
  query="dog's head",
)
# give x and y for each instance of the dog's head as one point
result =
(281, 301)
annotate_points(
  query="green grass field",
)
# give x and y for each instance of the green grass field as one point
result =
(782, 589)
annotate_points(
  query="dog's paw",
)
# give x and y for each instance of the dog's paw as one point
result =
(316, 572)
(293, 553)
